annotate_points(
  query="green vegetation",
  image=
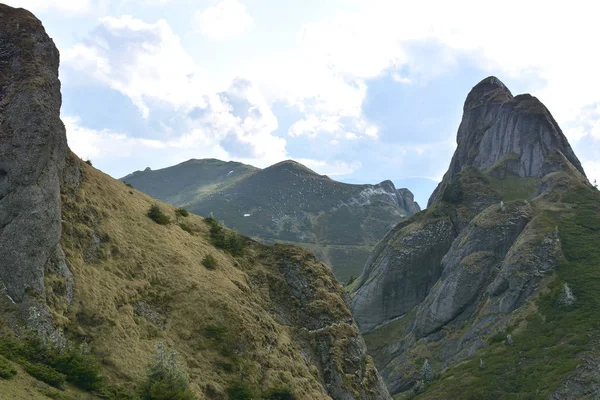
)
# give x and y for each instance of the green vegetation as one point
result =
(240, 391)
(7, 371)
(280, 394)
(45, 374)
(156, 215)
(182, 212)
(55, 365)
(89, 162)
(215, 332)
(167, 379)
(351, 280)
(187, 228)
(129, 185)
(209, 262)
(549, 344)
(229, 241)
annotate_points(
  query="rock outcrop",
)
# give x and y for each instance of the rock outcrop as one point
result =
(33, 148)
(449, 278)
(519, 131)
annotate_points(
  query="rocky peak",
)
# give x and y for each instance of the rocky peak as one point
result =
(499, 130)
(33, 150)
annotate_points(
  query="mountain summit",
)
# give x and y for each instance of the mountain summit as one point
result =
(520, 131)
(512, 229)
(286, 202)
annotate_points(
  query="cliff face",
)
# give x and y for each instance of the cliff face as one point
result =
(286, 202)
(78, 249)
(497, 126)
(33, 148)
(447, 281)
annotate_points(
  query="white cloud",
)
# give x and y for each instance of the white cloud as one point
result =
(331, 168)
(101, 144)
(69, 7)
(227, 19)
(142, 61)
(333, 125)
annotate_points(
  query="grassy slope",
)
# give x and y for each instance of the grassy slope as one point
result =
(226, 323)
(550, 342)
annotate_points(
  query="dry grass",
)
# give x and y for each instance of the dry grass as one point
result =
(120, 257)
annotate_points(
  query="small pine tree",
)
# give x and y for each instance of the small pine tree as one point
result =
(156, 215)
(427, 371)
(209, 262)
(182, 212)
(166, 377)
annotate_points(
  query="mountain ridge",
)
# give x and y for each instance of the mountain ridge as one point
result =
(288, 202)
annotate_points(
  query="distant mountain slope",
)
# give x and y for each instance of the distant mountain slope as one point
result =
(286, 202)
(189, 181)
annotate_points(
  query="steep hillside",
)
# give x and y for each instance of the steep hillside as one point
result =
(491, 292)
(108, 292)
(286, 202)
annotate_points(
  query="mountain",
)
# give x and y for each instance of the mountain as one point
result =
(189, 181)
(492, 291)
(286, 202)
(107, 293)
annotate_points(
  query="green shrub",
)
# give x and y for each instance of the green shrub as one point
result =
(81, 369)
(182, 212)
(116, 393)
(7, 371)
(75, 364)
(280, 394)
(231, 242)
(166, 379)
(88, 162)
(156, 215)
(45, 374)
(209, 262)
(186, 228)
(240, 391)
(129, 185)
(217, 333)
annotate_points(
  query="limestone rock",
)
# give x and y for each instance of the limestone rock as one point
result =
(33, 148)
(496, 125)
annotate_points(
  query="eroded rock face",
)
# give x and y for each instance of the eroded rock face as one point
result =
(496, 125)
(33, 147)
(400, 272)
(330, 335)
(452, 275)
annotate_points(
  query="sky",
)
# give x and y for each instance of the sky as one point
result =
(360, 90)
